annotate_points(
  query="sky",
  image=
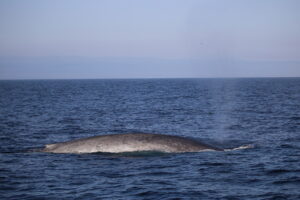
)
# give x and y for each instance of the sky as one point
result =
(70, 39)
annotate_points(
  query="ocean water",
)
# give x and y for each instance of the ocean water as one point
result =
(227, 113)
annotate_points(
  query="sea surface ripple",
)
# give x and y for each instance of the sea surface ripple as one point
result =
(227, 113)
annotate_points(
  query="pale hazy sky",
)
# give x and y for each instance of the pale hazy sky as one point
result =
(149, 39)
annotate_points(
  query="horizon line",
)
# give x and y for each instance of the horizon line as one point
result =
(142, 78)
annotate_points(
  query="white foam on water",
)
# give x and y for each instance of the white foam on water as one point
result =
(248, 146)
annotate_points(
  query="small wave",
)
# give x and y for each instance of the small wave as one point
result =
(215, 164)
(293, 180)
(248, 146)
(296, 118)
(289, 146)
(281, 171)
(34, 150)
(25, 150)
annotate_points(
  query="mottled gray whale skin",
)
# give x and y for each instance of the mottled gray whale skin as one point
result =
(129, 142)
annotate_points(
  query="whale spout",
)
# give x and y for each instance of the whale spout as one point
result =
(129, 142)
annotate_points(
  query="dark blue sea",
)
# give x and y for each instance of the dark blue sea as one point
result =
(227, 113)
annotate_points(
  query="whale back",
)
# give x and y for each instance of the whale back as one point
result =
(130, 142)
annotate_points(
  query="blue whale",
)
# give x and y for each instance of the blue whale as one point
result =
(129, 142)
